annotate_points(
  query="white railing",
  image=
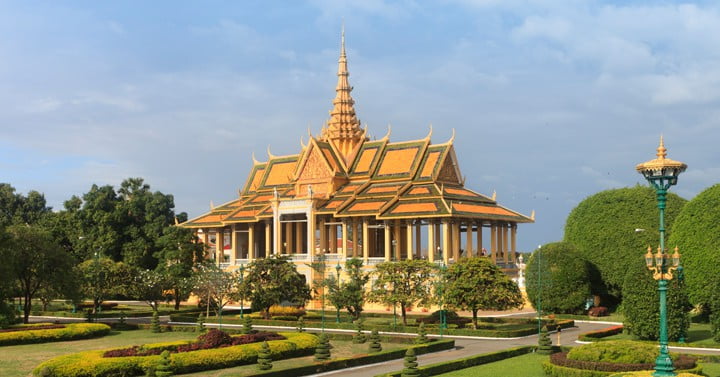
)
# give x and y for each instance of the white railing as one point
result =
(239, 262)
(375, 260)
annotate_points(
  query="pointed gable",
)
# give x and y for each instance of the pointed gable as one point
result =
(449, 171)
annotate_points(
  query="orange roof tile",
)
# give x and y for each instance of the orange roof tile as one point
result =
(419, 191)
(334, 204)
(398, 161)
(261, 198)
(365, 160)
(280, 173)
(210, 219)
(415, 207)
(430, 162)
(366, 206)
(459, 191)
(481, 209)
(349, 188)
(381, 189)
(257, 179)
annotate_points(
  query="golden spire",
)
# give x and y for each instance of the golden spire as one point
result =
(343, 128)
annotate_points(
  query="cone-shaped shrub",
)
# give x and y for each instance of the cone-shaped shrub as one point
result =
(544, 342)
(422, 334)
(300, 324)
(410, 364)
(163, 369)
(155, 322)
(247, 325)
(322, 352)
(200, 324)
(360, 336)
(264, 359)
(374, 342)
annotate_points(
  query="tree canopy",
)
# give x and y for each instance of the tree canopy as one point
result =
(405, 283)
(272, 280)
(602, 227)
(477, 284)
(561, 279)
(696, 232)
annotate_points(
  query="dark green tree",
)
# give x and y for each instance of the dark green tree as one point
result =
(477, 284)
(422, 334)
(179, 250)
(264, 357)
(602, 227)
(564, 283)
(410, 364)
(696, 232)
(37, 262)
(16, 208)
(216, 285)
(544, 342)
(148, 286)
(641, 309)
(155, 323)
(351, 294)
(322, 351)
(270, 281)
(360, 336)
(247, 325)
(101, 278)
(405, 283)
(163, 367)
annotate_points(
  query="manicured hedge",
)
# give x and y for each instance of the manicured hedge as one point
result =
(69, 332)
(564, 281)
(92, 364)
(648, 373)
(467, 362)
(561, 359)
(592, 336)
(438, 345)
(561, 371)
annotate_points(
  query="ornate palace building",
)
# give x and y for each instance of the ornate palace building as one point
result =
(346, 196)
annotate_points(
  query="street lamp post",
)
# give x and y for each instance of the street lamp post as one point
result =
(322, 286)
(539, 291)
(337, 309)
(662, 173)
(443, 317)
(242, 290)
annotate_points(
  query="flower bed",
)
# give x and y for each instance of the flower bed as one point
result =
(591, 336)
(69, 332)
(93, 364)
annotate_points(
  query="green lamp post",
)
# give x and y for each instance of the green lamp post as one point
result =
(441, 291)
(338, 268)
(662, 173)
(242, 290)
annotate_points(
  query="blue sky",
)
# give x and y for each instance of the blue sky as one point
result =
(551, 101)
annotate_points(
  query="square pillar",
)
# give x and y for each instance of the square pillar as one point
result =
(344, 231)
(323, 237)
(396, 237)
(431, 242)
(268, 239)
(219, 245)
(445, 241)
(493, 243)
(366, 241)
(251, 241)
(418, 241)
(388, 246)
(409, 240)
(479, 238)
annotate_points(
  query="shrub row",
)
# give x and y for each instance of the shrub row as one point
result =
(92, 364)
(112, 313)
(69, 332)
(103, 306)
(591, 336)
(43, 326)
(467, 362)
(438, 345)
(560, 371)
(648, 373)
(560, 359)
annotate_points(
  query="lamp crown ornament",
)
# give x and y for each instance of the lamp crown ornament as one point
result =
(662, 172)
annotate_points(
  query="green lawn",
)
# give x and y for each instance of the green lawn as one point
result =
(520, 366)
(19, 361)
(699, 335)
(341, 349)
(711, 369)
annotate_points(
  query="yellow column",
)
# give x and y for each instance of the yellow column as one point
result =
(396, 237)
(344, 231)
(366, 241)
(311, 234)
(409, 241)
(234, 244)
(299, 238)
(205, 239)
(513, 242)
(418, 243)
(388, 246)
(251, 241)
(323, 237)
(456, 240)
(445, 241)
(479, 238)
(469, 240)
(288, 238)
(268, 239)
(355, 230)
(333, 237)
(431, 242)
(505, 243)
(219, 245)
(493, 243)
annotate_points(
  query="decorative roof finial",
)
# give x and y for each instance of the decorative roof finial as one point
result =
(661, 151)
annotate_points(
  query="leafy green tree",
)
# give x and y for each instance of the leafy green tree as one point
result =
(36, 262)
(696, 232)
(20, 209)
(352, 293)
(216, 285)
(179, 251)
(272, 280)
(264, 358)
(374, 339)
(562, 278)
(148, 286)
(322, 351)
(102, 278)
(602, 227)
(407, 283)
(641, 309)
(7, 283)
(477, 284)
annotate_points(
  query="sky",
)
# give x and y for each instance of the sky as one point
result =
(551, 101)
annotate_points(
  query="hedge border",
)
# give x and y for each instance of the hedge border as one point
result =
(92, 364)
(560, 358)
(438, 345)
(553, 370)
(71, 331)
(466, 362)
(595, 335)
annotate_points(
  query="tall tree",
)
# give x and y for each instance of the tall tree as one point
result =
(273, 280)
(476, 284)
(148, 286)
(101, 278)
(36, 262)
(179, 251)
(407, 283)
(349, 294)
(19, 209)
(216, 286)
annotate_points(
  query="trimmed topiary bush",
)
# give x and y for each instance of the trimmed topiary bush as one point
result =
(564, 283)
(163, 369)
(360, 336)
(410, 364)
(615, 351)
(422, 334)
(602, 227)
(200, 326)
(641, 309)
(374, 342)
(155, 322)
(264, 357)
(300, 324)
(544, 342)
(68, 332)
(696, 232)
(247, 325)
(322, 352)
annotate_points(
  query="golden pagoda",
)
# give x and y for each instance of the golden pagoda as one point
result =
(346, 196)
